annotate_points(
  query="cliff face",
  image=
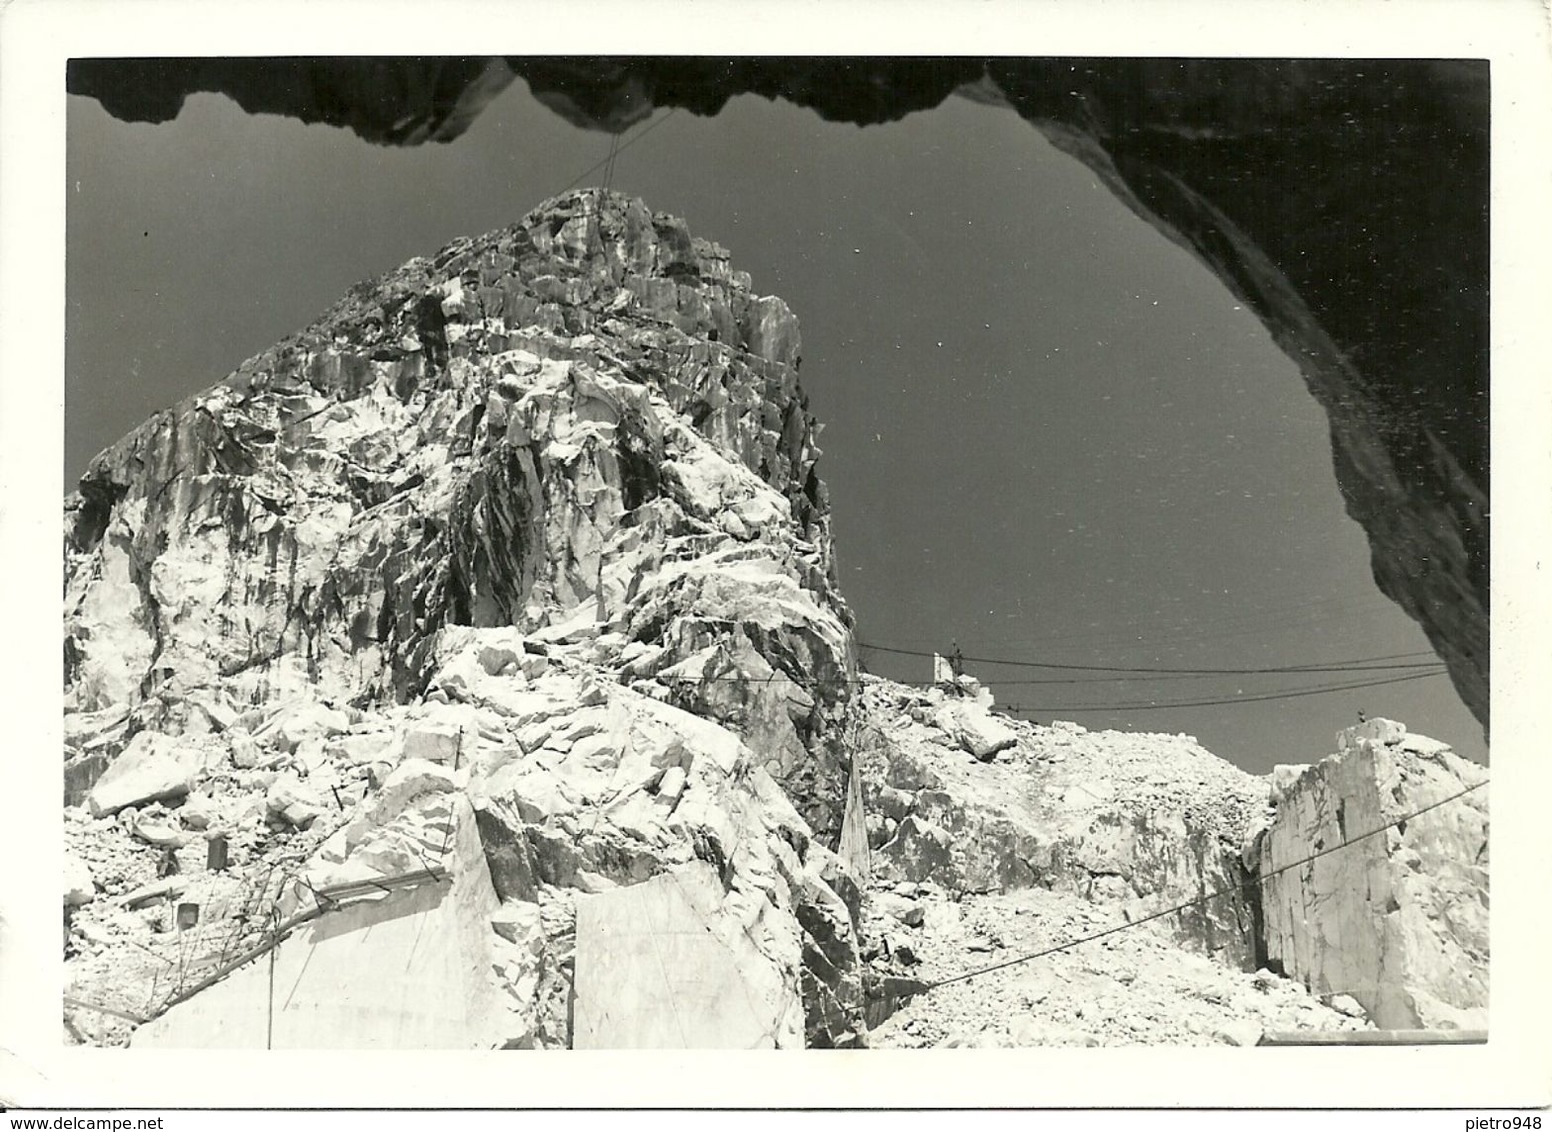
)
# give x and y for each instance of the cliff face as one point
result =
(475, 654)
(1398, 922)
(587, 417)
(1128, 822)
(1344, 201)
(997, 862)
(517, 512)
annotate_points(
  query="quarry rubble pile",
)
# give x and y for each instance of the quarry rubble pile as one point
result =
(1138, 987)
(1140, 820)
(469, 647)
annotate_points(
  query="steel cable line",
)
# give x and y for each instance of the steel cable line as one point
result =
(1251, 699)
(618, 148)
(1168, 677)
(846, 681)
(1373, 664)
(1151, 705)
(1305, 613)
(1255, 882)
(1360, 664)
(614, 150)
(1197, 634)
(1150, 679)
(1287, 623)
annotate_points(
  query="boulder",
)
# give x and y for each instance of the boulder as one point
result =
(216, 714)
(160, 832)
(973, 727)
(918, 850)
(1348, 1005)
(310, 756)
(907, 911)
(79, 888)
(198, 811)
(293, 802)
(306, 721)
(671, 785)
(1282, 778)
(1245, 1033)
(152, 768)
(246, 753)
(407, 782)
(1386, 732)
(437, 742)
(157, 890)
(893, 803)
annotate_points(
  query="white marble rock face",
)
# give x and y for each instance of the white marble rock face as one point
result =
(1398, 922)
(539, 515)
(497, 609)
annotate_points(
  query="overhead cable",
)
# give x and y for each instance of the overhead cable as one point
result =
(616, 148)
(833, 681)
(1137, 705)
(1303, 615)
(1361, 664)
(1250, 699)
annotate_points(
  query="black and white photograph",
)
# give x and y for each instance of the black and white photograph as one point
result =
(806, 549)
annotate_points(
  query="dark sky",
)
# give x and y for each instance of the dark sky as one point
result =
(1051, 434)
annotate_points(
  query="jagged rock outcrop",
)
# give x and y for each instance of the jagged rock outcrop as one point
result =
(538, 516)
(1398, 921)
(1071, 834)
(485, 633)
(1134, 823)
(1344, 201)
(472, 442)
(986, 877)
(152, 768)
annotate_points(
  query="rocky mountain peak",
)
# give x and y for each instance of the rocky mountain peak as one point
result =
(472, 547)
(473, 645)
(520, 430)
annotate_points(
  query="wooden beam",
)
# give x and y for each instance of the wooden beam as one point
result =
(378, 884)
(124, 1014)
